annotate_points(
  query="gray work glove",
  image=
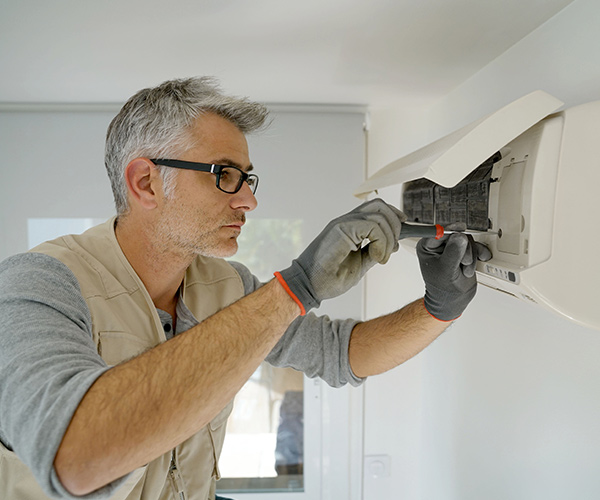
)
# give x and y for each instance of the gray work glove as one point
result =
(337, 259)
(448, 269)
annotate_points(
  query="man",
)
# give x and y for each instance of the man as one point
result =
(121, 349)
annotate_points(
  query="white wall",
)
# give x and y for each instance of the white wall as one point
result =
(506, 404)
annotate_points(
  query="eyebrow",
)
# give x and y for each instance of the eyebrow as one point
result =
(231, 163)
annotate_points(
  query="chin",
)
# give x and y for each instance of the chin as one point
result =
(220, 252)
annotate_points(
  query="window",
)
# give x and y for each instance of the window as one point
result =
(264, 445)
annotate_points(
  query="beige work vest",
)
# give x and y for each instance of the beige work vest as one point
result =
(125, 324)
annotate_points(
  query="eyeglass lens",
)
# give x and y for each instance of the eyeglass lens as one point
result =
(231, 179)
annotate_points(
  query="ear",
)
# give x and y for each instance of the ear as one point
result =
(141, 177)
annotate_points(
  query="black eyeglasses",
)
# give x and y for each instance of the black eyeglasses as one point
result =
(229, 179)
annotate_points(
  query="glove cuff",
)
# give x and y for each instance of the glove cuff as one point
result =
(296, 283)
(290, 293)
(445, 306)
(435, 317)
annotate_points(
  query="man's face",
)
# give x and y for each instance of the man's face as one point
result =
(198, 218)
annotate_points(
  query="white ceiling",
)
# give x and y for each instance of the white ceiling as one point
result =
(308, 51)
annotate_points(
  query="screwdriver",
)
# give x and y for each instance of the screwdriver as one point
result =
(431, 231)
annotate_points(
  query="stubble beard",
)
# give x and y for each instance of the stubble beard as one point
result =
(182, 235)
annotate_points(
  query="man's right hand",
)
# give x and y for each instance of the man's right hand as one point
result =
(338, 258)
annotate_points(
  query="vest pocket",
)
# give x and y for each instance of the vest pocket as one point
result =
(216, 431)
(222, 417)
(117, 347)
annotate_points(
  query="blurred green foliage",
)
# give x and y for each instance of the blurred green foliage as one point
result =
(269, 245)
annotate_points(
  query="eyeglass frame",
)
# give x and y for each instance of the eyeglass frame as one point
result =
(211, 168)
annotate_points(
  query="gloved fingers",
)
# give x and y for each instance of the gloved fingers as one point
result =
(348, 236)
(469, 257)
(398, 214)
(367, 257)
(355, 265)
(455, 249)
(372, 252)
(483, 252)
(394, 216)
(338, 257)
(377, 222)
(382, 238)
(469, 260)
(433, 246)
(378, 205)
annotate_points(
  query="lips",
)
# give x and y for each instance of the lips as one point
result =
(236, 224)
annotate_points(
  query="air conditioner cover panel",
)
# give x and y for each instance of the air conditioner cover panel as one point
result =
(450, 159)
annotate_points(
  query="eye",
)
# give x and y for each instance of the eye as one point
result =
(225, 174)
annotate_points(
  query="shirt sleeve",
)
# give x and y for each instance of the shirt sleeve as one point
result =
(48, 361)
(315, 345)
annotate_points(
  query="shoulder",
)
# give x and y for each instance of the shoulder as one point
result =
(37, 287)
(30, 270)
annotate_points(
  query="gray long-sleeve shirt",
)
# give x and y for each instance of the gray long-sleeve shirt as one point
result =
(48, 360)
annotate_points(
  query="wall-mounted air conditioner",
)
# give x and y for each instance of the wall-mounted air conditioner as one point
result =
(526, 179)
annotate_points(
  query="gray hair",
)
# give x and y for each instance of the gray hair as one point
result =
(156, 123)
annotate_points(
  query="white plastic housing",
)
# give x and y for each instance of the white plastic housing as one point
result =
(542, 201)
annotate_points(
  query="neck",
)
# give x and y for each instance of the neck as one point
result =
(162, 272)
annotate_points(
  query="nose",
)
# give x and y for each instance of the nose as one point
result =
(244, 199)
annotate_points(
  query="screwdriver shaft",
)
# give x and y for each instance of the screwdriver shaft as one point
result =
(431, 231)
